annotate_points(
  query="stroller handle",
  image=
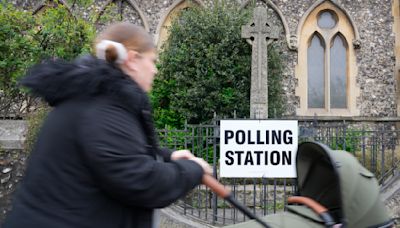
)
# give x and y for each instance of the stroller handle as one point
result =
(321, 211)
(225, 193)
(216, 186)
(314, 205)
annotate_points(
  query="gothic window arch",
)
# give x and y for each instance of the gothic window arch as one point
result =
(120, 10)
(316, 69)
(326, 69)
(172, 12)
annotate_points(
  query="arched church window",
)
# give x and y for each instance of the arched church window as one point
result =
(120, 10)
(326, 64)
(316, 69)
(327, 89)
(338, 72)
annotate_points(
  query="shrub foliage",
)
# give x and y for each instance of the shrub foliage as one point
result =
(29, 39)
(205, 68)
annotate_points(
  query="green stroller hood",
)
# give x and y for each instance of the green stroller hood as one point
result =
(339, 182)
(336, 180)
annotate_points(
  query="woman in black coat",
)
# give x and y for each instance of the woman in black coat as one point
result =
(96, 162)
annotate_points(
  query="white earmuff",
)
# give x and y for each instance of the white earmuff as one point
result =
(121, 50)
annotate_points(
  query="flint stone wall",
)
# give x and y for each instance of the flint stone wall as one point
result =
(375, 57)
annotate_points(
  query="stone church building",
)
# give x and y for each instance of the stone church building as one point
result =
(341, 57)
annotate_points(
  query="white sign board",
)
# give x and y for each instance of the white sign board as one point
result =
(258, 148)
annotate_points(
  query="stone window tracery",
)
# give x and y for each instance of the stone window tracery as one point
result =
(173, 13)
(326, 64)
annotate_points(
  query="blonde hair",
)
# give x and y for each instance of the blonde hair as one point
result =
(130, 36)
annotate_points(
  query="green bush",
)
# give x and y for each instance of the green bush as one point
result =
(28, 39)
(350, 142)
(197, 140)
(276, 100)
(18, 48)
(205, 68)
(62, 35)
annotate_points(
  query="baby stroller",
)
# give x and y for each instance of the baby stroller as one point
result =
(336, 182)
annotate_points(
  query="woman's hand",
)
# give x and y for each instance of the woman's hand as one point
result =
(186, 155)
(181, 154)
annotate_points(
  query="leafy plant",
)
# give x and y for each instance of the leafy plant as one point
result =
(62, 35)
(18, 50)
(29, 39)
(205, 68)
(276, 100)
(194, 139)
(349, 141)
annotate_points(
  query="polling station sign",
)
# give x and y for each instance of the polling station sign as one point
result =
(258, 148)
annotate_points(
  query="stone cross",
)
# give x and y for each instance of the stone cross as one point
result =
(260, 34)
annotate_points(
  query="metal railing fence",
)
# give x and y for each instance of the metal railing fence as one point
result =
(17, 105)
(374, 144)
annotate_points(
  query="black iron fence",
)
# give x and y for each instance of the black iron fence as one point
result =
(17, 105)
(375, 144)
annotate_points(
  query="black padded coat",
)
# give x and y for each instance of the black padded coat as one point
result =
(94, 164)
